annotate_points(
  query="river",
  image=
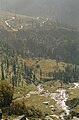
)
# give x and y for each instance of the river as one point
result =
(60, 96)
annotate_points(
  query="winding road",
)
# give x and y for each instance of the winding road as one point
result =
(9, 26)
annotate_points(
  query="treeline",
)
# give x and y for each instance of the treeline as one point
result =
(70, 74)
(18, 72)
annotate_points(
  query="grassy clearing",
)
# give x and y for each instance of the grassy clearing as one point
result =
(68, 86)
(76, 109)
(37, 102)
(52, 86)
(20, 92)
(74, 93)
(31, 62)
(48, 65)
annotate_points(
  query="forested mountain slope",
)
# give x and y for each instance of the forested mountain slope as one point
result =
(38, 60)
(43, 41)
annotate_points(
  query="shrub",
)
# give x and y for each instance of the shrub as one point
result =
(19, 108)
(6, 94)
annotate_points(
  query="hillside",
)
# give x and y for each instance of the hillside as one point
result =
(38, 37)
(39, 68)
(65, 10)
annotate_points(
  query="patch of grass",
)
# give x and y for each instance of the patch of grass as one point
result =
(73, 93)
(20, 92)
(67, 86)
(76, 109)
(31, 62)
(48, 65)
(52, 86)
(37, 102)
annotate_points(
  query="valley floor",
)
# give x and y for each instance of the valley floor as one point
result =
(51, 102)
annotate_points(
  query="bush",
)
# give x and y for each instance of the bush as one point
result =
(72, 103)
(6, 94)
(32, 112)
(19, 108)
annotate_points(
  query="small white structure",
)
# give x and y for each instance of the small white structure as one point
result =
(46, 103)
(51, 106)
(52, 109)
(48, 118)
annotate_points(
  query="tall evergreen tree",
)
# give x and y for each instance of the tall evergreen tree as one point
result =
(2, 71)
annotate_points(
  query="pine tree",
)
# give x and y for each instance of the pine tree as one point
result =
(7, 64)
(40, 74)
(14, 67)
(2, 71)
(34, 77)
